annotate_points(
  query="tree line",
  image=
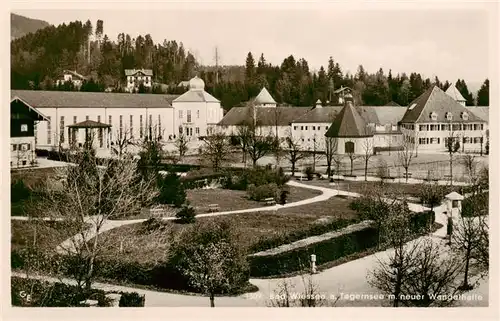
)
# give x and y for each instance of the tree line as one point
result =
(38, 59)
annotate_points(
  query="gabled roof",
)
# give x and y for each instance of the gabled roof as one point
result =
(266, 116)
(78, 99)
(348, 123)
(196, 96)
(454, 196)
(89, 124)
(437, 101)
(393, 104)
(33, 112)
(453, 92)
(132, 72)
(74, 74)
(319, 115)
(264, 97)
(481, 112)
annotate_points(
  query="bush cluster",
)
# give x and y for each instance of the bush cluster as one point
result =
(255, 176)
(131, 299)
(326, 251)
(186, 215)
(200, 181)
(309, 173)
(172, 190)
(259, 193)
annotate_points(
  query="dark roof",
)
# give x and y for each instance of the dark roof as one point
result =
(319, 115)
(75, 74)
(78, 99)
(349, 123)
(480, 111)
(89, 124)
(266, 116)
(392, 103)
(19, 106)
(435, 100)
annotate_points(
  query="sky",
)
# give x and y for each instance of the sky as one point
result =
(448, 41)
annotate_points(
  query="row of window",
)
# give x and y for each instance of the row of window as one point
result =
(110, 120)
(188, 115)
(189, 130)
(313, 127)
(437, 140)
(446, 127)
(20, 147)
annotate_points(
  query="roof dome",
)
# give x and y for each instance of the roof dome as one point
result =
(196, 83)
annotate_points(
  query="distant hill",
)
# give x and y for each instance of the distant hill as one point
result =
(20, 26)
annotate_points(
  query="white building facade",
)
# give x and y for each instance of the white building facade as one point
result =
(136, 77)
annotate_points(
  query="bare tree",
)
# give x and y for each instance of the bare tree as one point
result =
(293, 152)
(315, 155)
(466, 239)
(331, 148)
(352, 157)
(367, 154)
(89, 194)
(278, 151)
(181, 143)
(433, 275)
(124, 139)
(452, 143)
(405, 154)
(338, 160)
(216, 149)
(382, 170)
(469, 163)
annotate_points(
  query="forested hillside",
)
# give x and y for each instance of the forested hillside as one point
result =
(38, 59)
(20, 26)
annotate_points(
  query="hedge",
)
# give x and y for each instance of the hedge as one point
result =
(179, 168)
(46, 294)
(325, 251)
(131, 299)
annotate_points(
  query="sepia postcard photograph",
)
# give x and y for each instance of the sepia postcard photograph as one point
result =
(230, 155)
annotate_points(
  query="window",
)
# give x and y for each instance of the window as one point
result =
(140, 126)
(314, 127)
(439, 140)
(326, 127)
(198, 113)
(482, 126)
(121, 127)
(301, 127)
(349, 147)
(99, 118)
(433, 115)
(180, 114)
(87, 117)
(14, 147)
(197, 130)
(24, 127)
(189, 116)
(294, 127)
(476, 126)
(49, 131)
(434, 140)
(180, 130)
(28, 146)
(454, 204)
(422, 127)
(456, 127)
(449, 116)
(412, 106)
(306, 127)
(61, 129)
(465, 115)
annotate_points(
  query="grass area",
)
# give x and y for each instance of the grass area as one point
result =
(361, 186)
(230, 200)
(139, 246)
(46, 234)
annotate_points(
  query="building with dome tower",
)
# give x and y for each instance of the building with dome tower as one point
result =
(70, 116)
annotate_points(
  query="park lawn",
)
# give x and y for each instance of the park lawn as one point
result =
(231, 200)
(142, 247)
(48, 234)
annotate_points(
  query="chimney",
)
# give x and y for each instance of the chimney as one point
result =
(348, 99)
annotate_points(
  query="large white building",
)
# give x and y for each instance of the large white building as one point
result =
(386, 126)
(113, 115)
(136, 77)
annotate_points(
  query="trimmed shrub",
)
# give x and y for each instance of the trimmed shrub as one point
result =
(41, 152)
(151, 225)
(326, 251)
(255, 176)
(419, 222)
(171, 190)
(186, 214)
(132, 299)
(283, 196)
(259, 193)
(269, 243)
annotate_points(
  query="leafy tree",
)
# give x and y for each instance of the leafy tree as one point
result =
(483, 95)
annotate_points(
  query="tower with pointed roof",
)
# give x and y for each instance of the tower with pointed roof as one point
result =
(453, 92)
(350, 130)
(264, 99)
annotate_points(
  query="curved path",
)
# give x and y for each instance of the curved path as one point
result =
(69, 244)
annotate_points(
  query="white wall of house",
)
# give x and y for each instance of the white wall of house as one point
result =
(161, 119)
(305, 133)
(195, 117)
(132, 81)
(431, 137)
(22, 151)
(359, 144)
